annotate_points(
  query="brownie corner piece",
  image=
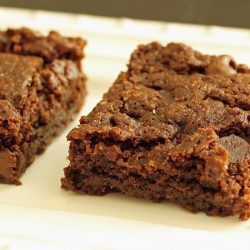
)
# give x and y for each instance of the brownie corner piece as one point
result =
(42, 86)
(174, 127)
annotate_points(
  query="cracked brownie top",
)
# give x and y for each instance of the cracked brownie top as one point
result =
(169, 93)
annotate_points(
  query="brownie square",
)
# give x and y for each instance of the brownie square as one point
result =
(41, 88)
(174, 127)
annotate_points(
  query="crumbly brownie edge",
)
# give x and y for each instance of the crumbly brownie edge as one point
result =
(98, 168)
(24, 41)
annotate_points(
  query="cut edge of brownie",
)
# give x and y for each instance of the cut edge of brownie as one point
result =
(42, 87)
(173, 127)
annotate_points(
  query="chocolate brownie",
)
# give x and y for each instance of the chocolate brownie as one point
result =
(175, 127)
(41, 87)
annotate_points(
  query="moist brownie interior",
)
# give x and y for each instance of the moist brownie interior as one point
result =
(41, 87)
(174, 127)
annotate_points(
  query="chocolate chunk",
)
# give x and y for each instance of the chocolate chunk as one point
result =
(238, 148)
(221, 65)
(8, 163)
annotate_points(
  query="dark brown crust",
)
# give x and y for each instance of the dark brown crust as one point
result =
(168, 129)
(41, 88)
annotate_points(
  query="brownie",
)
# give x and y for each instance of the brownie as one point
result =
(41, 88)
(174, 127)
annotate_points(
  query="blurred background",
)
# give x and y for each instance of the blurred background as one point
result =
(229, 13)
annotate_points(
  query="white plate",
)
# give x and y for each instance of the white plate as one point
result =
(40, 212)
